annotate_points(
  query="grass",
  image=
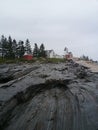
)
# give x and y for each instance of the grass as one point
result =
(40, 60)
(55, 60)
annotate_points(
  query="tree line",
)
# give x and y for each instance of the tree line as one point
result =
(12, 49)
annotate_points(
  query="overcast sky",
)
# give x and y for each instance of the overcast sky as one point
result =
(56, 23)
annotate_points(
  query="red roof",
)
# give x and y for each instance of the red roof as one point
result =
(28, 57)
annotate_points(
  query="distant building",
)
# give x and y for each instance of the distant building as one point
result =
(27, 56)
(69, 56)
(50, 53)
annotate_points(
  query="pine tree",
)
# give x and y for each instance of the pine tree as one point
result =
(14, 46)
(0, 45)
(28, 49)
(0, 49)
(36, 50)
(42, 51)
(20, 49)
(10, 52)
(4, 43)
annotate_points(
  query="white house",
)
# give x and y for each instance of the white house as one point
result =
(50, 53)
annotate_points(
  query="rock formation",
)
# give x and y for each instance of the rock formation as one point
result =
(36, 96)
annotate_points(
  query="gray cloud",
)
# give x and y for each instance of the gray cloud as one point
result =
(57, 23)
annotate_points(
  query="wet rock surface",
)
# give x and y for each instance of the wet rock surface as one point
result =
(61, 96)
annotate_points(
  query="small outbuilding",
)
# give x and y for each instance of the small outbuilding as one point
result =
(69, 56)
(28, 56)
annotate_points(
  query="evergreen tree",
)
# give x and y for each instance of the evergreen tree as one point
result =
(4, 43)
(28, 47)
(36, 50)
(10, 51)
(0, 45)
(42, 51)
(20, 49)
(0, 49)
(14, 46)
(84, 58)
(1, 42)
